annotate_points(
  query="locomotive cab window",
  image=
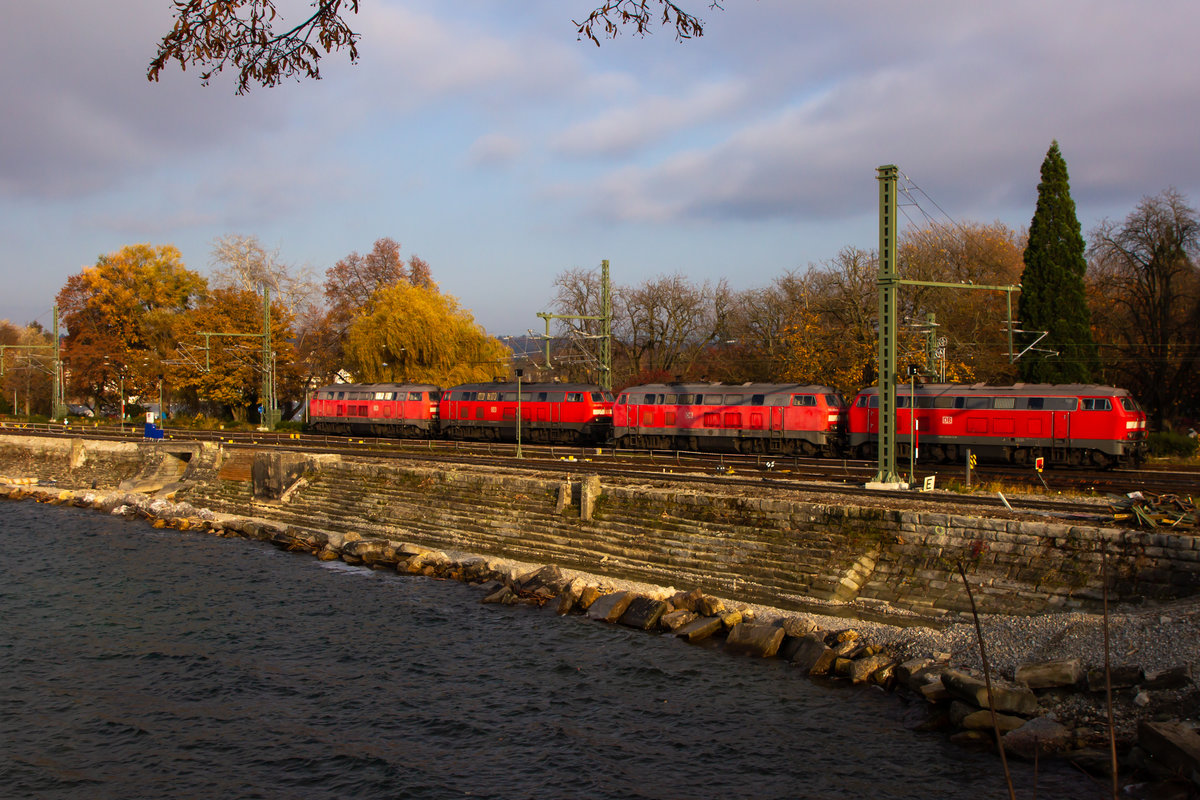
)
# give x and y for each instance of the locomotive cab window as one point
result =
(542, 396)
(806, 400)
(414, 395)
(1129, 404)
(758, 400)
(1096, 404)
(574, 397)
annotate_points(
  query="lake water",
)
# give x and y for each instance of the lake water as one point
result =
(143, 663)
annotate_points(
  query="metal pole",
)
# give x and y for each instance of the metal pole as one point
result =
(268, 413)
(519, 414)
(888, 289)
(605, 329)
(59, 404)
(912, 433)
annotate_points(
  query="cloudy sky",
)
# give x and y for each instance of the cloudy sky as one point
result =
(489, 141)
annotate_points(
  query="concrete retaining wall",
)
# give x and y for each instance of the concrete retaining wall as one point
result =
(773, 550)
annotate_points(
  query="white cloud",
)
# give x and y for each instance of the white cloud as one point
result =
(494, 149)
(627, 129)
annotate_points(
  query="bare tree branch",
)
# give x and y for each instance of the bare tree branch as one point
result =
(242, 35)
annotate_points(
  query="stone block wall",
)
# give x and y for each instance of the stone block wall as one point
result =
(773, 550)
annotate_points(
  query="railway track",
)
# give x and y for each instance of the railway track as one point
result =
(1066, 494)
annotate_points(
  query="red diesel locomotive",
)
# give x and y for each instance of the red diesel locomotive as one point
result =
(550, 412)
(783, 418)
(408, 410)
(1064, 424)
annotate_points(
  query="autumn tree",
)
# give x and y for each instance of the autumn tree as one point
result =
(414, 333)
(661, 328)
(350, 285)
(121, 317)
(251, 38)
(1146, 295)
(1053, 299)
(665, 324)
(228, 377)
(971, 320)
(758, 331)
(28, 368)
(830, 336)
(242, 262)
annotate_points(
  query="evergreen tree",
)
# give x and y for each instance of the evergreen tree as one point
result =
(1052, 293)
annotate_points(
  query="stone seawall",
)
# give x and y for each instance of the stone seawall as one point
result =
(776, 548)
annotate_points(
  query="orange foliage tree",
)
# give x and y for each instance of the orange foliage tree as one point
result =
(121, 317)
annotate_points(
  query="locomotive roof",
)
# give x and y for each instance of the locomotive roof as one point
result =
(745, 388)
(496, 386)
(380, 387)
(1020, 389)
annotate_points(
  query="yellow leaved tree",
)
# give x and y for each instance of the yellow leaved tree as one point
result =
(415, 334)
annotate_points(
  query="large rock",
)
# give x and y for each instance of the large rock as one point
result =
(699, 628)
(610, 607)
(864, 669)
(1009, 700)
(589, 595)
(1123, 677)
(813, 656)
(1039, 736)
(550, 577)
(674, 620)
(797, 627)
(907, 672)
(1173, 678)
(1172, 745)
(569, 596)
(1050, 674)
(730, 618)
(754, 640)
(687, 600)
(708, 606)
(982, 721)
(643, 613)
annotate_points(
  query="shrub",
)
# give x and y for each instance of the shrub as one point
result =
(1170, 443)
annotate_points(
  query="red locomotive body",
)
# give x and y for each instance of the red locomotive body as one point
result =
(550, 412)
(748, 418)
(1064, 424)
(376, 409)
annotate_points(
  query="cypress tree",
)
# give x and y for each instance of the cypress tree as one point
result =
(1052, 295)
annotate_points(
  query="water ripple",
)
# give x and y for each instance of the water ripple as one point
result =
(149, 663)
